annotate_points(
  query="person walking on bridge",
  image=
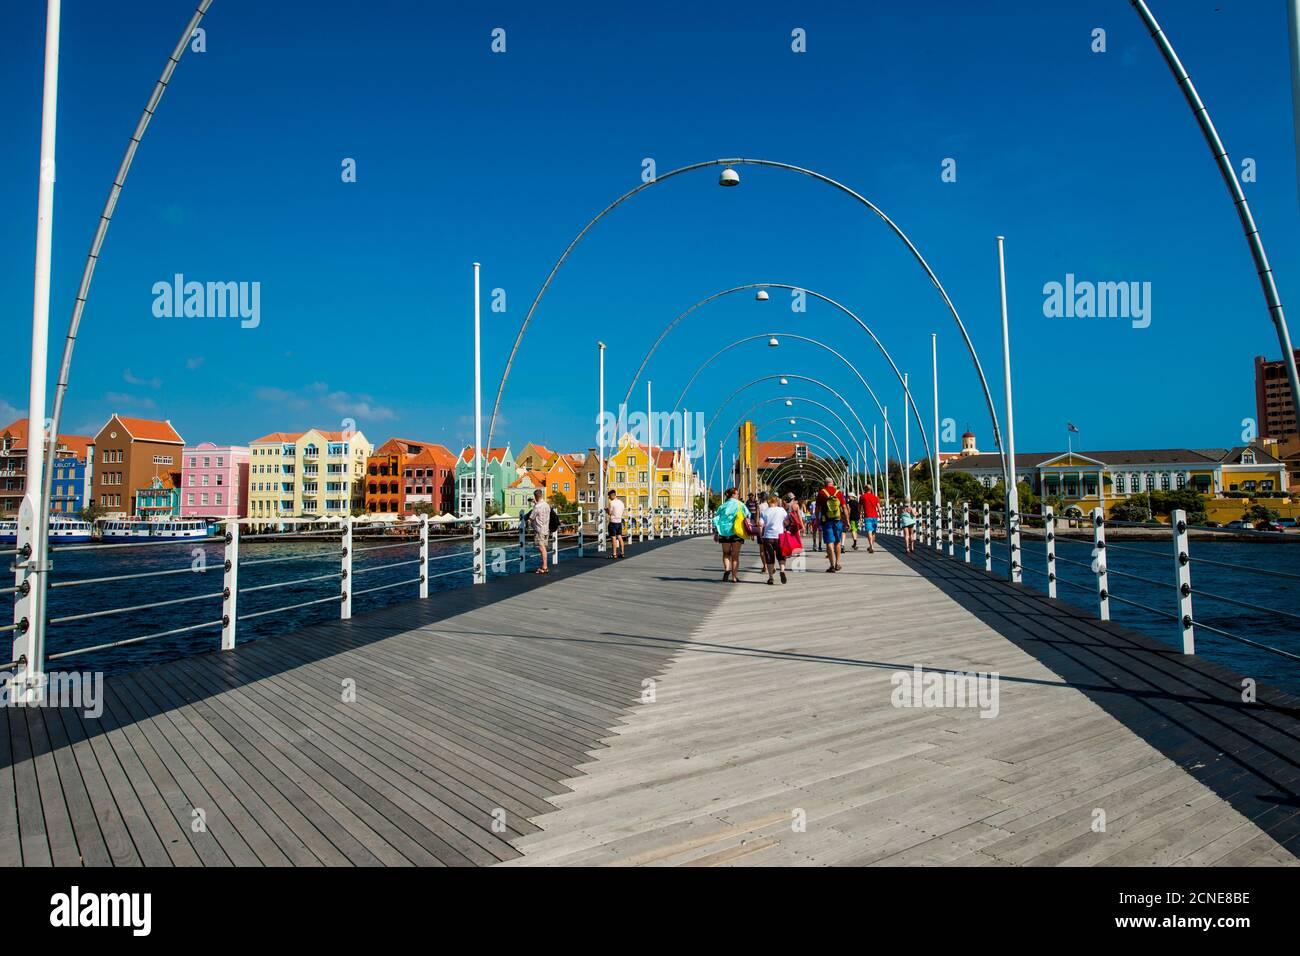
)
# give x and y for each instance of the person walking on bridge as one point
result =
(855, 511)
(870, 504)
(772, 524)
(832, 511)
(907, 518)
(539, 520)
(729, 513)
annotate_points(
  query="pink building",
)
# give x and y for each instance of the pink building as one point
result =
(214, 481)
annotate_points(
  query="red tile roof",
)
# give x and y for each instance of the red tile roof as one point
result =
(147, 429)
(489, 454)
(76, 444)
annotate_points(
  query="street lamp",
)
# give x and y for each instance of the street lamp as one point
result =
(773, 342)
(761, 295)
(729, 177)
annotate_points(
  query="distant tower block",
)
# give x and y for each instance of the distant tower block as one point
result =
(968, 445)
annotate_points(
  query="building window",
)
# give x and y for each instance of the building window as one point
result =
(1164, 481)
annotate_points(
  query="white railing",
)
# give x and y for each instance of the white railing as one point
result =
(338, 575)
(1167, 543)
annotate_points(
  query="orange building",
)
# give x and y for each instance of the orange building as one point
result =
(562, 476)
(402, 473)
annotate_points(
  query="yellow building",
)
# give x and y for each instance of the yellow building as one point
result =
(629, 475)
(306, 474)
(1087, 480)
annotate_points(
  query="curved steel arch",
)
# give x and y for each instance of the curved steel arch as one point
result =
(821, 444)
(819, 468)
(848, 449)
(794, 398)
(1229, 175)
(916, 413)
(769, 164)
(787, 375)
(803, 338)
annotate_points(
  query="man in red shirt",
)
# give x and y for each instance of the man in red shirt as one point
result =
(833, 513)
(870, 517)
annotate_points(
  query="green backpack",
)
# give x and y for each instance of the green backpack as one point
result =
(833, 508)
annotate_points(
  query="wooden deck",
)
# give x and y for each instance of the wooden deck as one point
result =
(505, 723)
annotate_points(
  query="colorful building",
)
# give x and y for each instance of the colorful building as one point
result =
(562, 477)
(589, 479)
(1092, 479)
(307, 474)
(69, 488)
(401, 474)
(214, 481)
(534, 457)
(499, 473)
(161, 498)
(1274, 409)
(629, 475)
(128, 454)
(519, 494)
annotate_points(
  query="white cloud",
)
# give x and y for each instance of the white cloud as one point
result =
(318, 397)
(131, 379)
(193, 363)
(8, 413)
(122, 398)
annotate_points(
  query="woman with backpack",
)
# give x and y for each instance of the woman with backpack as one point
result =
(729, 531)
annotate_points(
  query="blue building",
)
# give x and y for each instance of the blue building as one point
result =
(162, 499)
(68, 493)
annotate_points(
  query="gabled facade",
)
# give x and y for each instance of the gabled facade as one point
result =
(589, 479)
(534, 457)
(129, 454)
(161, 498)
(562, 478)
(499, 473)
(518, 498)
(630, 470)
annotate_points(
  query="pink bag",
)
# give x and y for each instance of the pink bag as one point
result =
(790, 543)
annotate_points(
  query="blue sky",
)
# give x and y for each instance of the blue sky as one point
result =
(1089, 163)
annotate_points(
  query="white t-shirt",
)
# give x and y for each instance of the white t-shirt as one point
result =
(774, 521)
(616, 510)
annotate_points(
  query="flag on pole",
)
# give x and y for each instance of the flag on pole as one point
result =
(1070, 427)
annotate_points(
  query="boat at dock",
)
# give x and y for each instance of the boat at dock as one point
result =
(62, 531)
(122, 530)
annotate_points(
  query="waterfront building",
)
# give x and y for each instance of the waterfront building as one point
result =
(518, 497)
(1275, 414)
(402, 473)
(1092, 479)
(69, 489)
(534, 457)
(161, 498)
(629, 475)
(214, 481)
(129, 453)
(562, 477)
(589, 479)
(499, 473)
(307, 474)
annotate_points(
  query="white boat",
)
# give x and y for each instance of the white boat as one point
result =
(62, 531)
(70, 531)
(119, 530)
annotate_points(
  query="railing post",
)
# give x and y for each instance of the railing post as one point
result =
(965, 529)
(1013, 546)
(555, 543)
(523, 542)
(1049, 541)
(988, 540)
(1099, 563)
(424, 556)
(1183, 576)
(345, 606)
(948, 516)
(640, 524)
(581, 539)
(230, 586)
(602, 526)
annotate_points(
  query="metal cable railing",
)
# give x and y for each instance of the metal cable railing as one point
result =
(339, 552)
(940, 528)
